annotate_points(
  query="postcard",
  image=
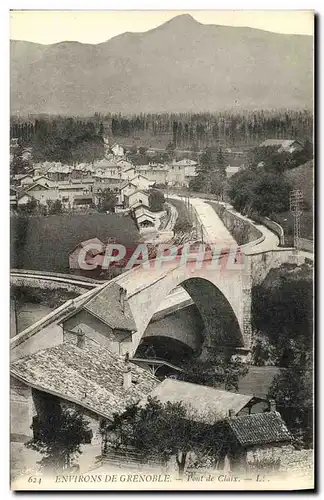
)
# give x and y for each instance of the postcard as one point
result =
(162, 250)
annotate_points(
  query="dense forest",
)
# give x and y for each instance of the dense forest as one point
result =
(194, 131)
(67, 140)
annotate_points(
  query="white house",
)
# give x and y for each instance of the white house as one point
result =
(23, 199)
(129, 173)
(144, 217)
(154, 173)
(141, 181)
(137, 197)
(26, 180)
(284, 145)
(126, 189)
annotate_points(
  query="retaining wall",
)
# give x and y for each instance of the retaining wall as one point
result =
(275, 228)
(242, 230)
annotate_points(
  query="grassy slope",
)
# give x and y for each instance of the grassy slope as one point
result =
(301, 177)
(49, 240)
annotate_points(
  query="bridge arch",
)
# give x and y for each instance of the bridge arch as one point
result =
(218, 295)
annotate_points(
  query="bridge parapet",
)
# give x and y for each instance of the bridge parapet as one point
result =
(261, 263)
(51, 281)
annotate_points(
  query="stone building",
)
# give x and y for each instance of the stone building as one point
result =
(258, 441)
(111, 327)
(79, 373)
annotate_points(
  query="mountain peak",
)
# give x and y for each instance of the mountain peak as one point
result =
(181, 19)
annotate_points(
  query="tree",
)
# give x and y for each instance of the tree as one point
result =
(142, 150)
(211, 173)
(271, 194)
(107, 201)
(282, 310)
(161, 431)
(206, 162)
(256, 190)
(220, 163)
(293, 390)
(217, 371)
(31, 206)
(156, 200)
(54, 207)
(282, 313)
(58, 434)
(19, 161)
(197, 183)
(170, 149)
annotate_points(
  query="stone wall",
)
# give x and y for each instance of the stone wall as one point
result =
(242, 230)
(306, 245)
(21, 410)
(261, 263)
(281, 458)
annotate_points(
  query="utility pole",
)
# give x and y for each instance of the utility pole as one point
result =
(296, 204)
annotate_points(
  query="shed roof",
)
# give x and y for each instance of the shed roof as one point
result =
(91, 376)
(207, 403)
(259, 428)
(258, 380)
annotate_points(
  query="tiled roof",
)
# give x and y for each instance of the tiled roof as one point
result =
(259, 428)
(106, 306)
(207, 403)
(90, 376)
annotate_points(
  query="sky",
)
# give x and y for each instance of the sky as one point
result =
(45, 26)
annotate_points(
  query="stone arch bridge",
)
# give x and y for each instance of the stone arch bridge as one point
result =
(222, 295)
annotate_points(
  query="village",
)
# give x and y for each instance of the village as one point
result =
(81, 186)
(92, 349)
(162, 250)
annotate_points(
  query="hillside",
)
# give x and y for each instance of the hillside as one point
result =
(302, 177)
(44, 243)
(182, 65)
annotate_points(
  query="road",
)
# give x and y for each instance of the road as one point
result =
(173, 218)
(214, 227)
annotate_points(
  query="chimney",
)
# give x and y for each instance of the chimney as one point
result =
(231, 413)
(272, 405)
(80, 339)
(127, 382)
(122, 295)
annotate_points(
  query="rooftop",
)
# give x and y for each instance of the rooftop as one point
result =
(258, 380)
(90, 376)
(107, 307)
(207, 403)
(259, 428)
(285, 143)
